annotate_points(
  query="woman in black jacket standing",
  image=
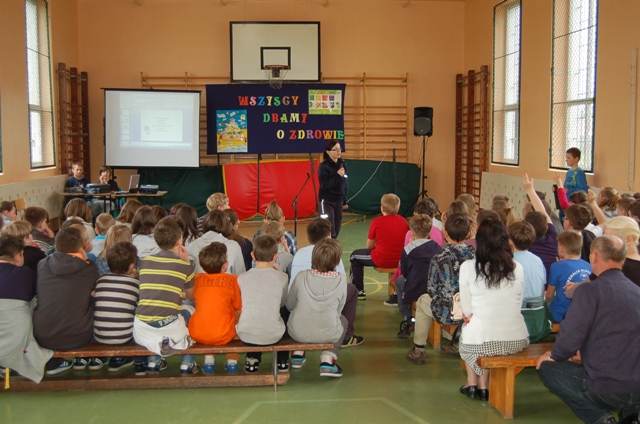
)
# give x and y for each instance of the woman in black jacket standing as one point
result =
(332, 177)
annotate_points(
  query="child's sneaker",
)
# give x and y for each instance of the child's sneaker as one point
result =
(232, 367)
(251, 365)
(283, 367)
(330, 370)
(406, 328)
(392, 300)
(298, 360)
(417, 356)
(96, 364)
(189, 368)
(362, 295)
(60, 368)
(208, 369)
(157, 365)
(353, 341)
(118, 364)
(80, 364)
(140, 369)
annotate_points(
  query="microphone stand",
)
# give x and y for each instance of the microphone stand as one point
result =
(294, 205)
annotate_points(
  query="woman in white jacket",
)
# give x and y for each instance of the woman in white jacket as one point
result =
(491, 297)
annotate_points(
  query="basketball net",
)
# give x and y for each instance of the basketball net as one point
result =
(275, 75)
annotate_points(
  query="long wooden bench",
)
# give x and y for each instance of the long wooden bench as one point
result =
(503, 372)
(167, 379)
(435, 333)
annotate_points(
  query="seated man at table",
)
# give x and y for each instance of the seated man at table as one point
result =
(601, 328)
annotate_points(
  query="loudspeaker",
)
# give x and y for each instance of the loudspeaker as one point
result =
(423, 121)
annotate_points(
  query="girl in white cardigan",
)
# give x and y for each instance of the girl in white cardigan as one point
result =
(491, 297)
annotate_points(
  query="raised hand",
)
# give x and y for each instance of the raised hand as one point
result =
(527, 182)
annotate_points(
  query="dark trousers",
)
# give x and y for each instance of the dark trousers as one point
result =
(568, 381)
(334, 211)
(282, 356)
(349, 310)
(359, 259)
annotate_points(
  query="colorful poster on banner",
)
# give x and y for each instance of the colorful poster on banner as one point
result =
(231, 131)
(325, 102)
(257, 118)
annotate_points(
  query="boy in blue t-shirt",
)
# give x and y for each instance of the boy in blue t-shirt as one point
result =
(569, 269)
(575, 180)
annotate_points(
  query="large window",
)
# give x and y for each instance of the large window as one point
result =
(41, 140)
(506, 83)
(575, 35)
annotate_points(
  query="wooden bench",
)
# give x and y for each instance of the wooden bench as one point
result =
(96, 380)
(435, 333)
(503, 372)
(555, 328)
(391, 287)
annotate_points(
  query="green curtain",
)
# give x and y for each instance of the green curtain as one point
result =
(194, 185)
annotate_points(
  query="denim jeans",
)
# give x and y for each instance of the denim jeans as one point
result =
(568, 381)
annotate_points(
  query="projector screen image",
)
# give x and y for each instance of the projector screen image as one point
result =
(152, 128)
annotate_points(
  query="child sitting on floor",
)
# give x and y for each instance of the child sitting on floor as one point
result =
(414, 266)
(384, 242)
(79, 209)
(115, 298)
(115, 234)
(276, 230)
(161, 318)
(232, 233)
(104, 221)
(218, 303)
(43, 236)
(569, 269)
(274, 213)
(31, 253)
(316, 300)
(9, 212)
(264, 292)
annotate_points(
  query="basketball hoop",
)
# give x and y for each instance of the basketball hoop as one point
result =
(275, 75)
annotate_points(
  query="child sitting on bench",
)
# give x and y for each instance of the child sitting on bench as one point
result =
(218, 303)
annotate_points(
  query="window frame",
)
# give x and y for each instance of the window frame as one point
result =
(511, 108)
(38, 108)
(576, 102)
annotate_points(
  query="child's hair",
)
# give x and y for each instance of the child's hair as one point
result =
(159, 212)
(70, 239)
(487, 215)
(575, 152)
(121, 256)
(457, 226)
(72, 221)
(579, 216)
(539, 222)
(104, 221)
(167, 233)
(213, 257)
(504, 211)
(216, 201)
(79, 208)
(272, 229)
(86, 237)
(427, 206)
(390, 203)
(7, 206)
(634, 210)
(116, 234)
(420, 226)
(500, 198)
(522, 234)
(10, 246)
(318, 229)
(264, 248)
(129, 210)
(470, 201)
(232, 215)
(75, 164)
(624, 227)
(624, 204)
(144, 221)
(232, 233)
(187, 217)
(35, 215)
(175, 207)
(326, 255)
(608, 198)
(20, 229)
(273, 212)
(104, 169)
(571, 241)
(218, 222)
(578, 197)
(457, 207)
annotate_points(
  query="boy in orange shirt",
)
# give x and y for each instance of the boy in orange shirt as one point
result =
(218, 305)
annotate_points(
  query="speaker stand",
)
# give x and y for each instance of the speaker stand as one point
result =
(423, 183)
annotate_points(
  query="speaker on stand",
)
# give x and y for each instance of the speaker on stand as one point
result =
(423, 127)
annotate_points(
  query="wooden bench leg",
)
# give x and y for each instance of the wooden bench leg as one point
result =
(275, 371)
(435, 335)
(391, 286)
(502, 386)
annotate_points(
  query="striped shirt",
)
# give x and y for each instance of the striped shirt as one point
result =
(116, 297)
(163, 279)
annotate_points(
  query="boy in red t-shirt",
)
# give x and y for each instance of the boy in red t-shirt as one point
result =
(218, 305)
(384, 242)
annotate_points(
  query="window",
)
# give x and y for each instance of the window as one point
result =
(506, 83)
(575, 34)
(41, 141)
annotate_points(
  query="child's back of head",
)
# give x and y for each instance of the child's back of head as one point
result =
(122, 257)
(538, 221)
(265, 248)
(578, 216)
(10, 248)
(104, 221)
(129, 210)
(167, 233)
(457, 227)
(69, 240)
(213, 258)
(217, 201)
(457, 207)
(20, 229)
(318, 229)
(326, 255)
(522, 235)
(218, 222)
(569, 245)
(273, 212)
(470, 201)
(116, 234)
(427, 206)
(420, 226)
(78, 208)
(36, 216)
(390, 204)
(144, 221)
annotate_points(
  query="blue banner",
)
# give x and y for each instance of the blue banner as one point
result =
(256, 118)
